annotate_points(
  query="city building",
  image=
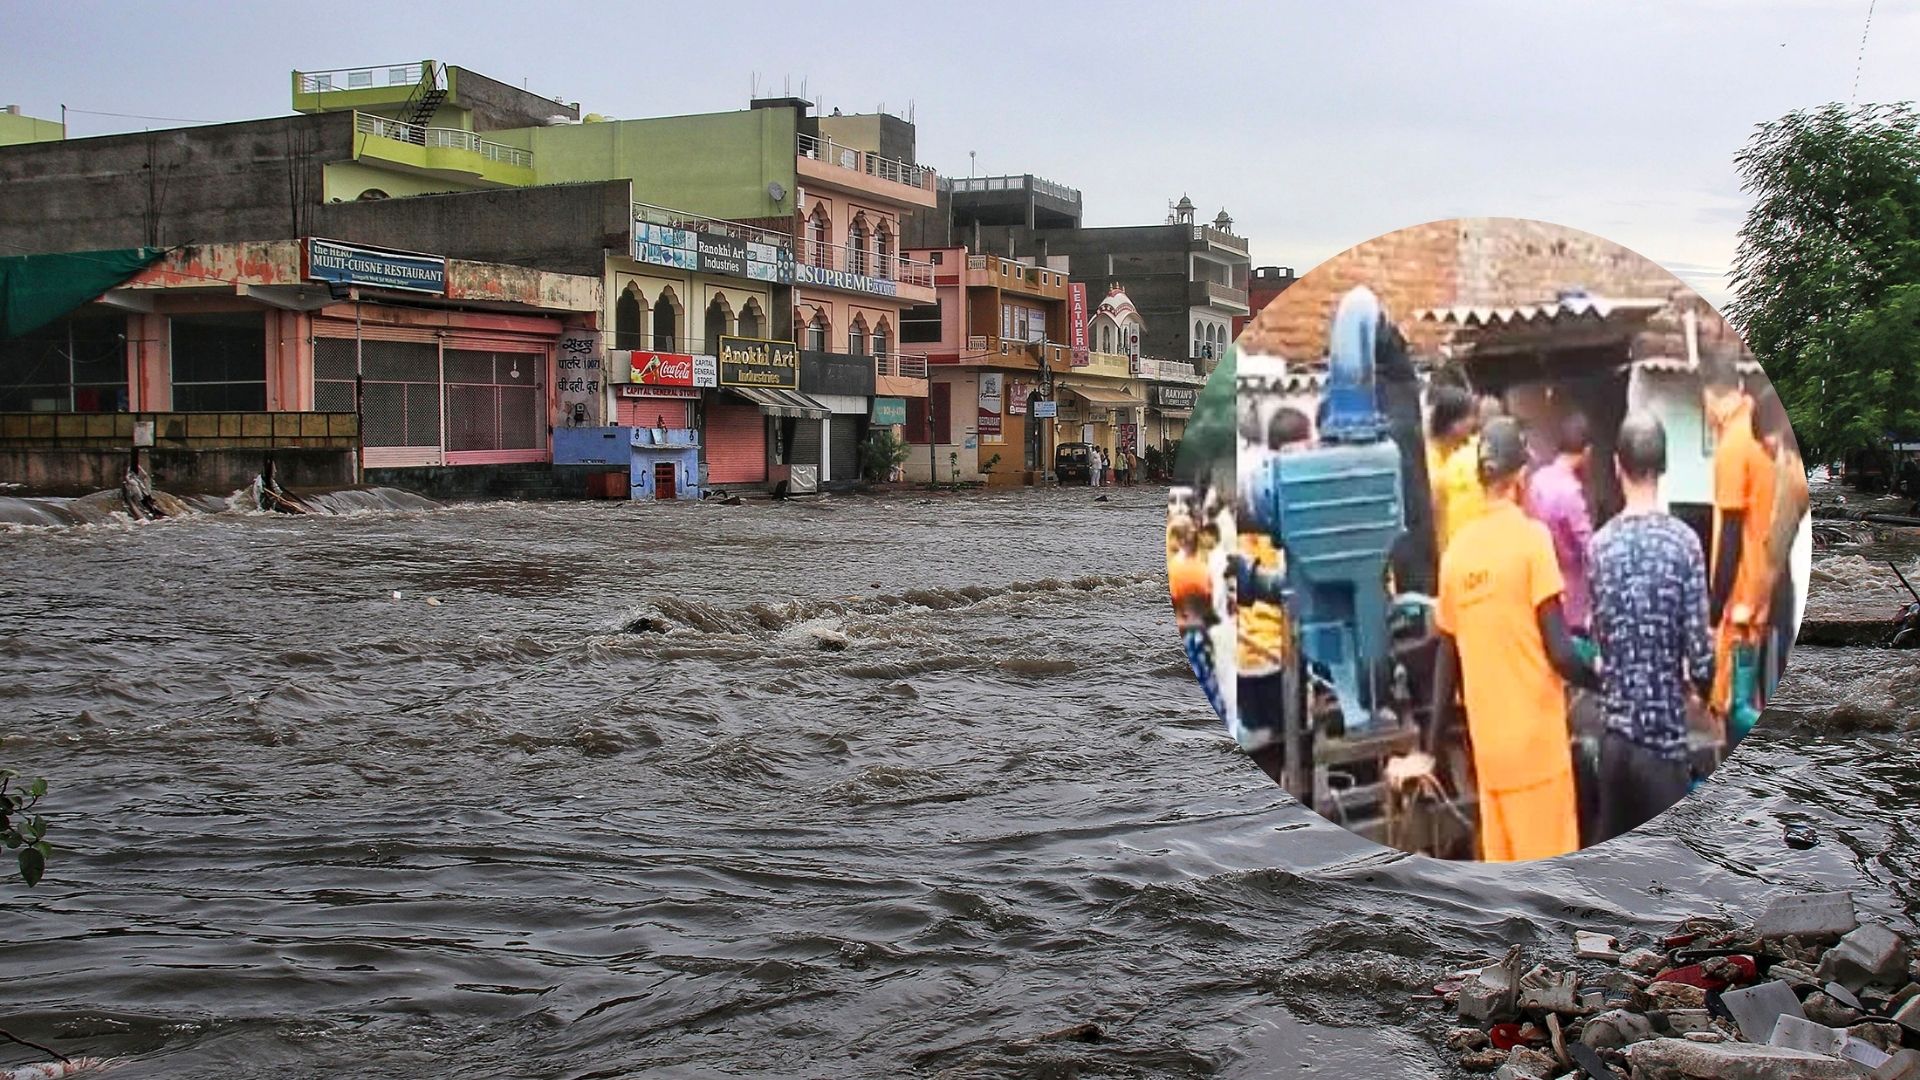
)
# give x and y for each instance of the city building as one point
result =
(1267, 282)
(16, 127)
(995, 336)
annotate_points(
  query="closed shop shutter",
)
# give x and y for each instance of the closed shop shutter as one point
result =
(806, 443)
(400, 422)
(736, 441)
(494, 401)
(846, 447)
(651, 412)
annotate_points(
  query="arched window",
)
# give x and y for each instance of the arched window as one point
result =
(718, 313)
(819, 237)
(1106, 337)
(626, 319)
(883, 252)
(857, 336)
(882, 339)
(749, 326)
(666, 321)
(817, 332)
(857, 244)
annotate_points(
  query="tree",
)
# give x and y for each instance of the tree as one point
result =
(27, 835)
(884, 453)
(1827, 274)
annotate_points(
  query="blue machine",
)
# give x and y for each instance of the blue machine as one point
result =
(1336, 511)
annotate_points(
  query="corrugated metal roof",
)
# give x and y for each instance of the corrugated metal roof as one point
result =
(1587, 308)
(1677, 365)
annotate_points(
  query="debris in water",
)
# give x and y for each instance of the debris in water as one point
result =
(433, 601)
(830, 640)
(396, 594)
(646, 624)
(1801, 837)
(1592, 945)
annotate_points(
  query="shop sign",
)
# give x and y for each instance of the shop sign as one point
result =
(578, 367)
(1176, 397)
(889, 410)
(1017, 394)
(756, 362)
(1077, 322)
(1046, 410)
(711, 253)
(654, 390)
(352, 264)
(804, 274)
(671, 369)
(991, 385)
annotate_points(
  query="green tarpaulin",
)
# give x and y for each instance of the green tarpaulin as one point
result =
(37, 289)
(1211, 440)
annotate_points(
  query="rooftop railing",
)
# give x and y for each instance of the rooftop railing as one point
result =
(846, 157)
(435, 137)
(1040, 186)
(681, 219)
(368, 78)
(900, 365)
(867, 261)
(1219, 236)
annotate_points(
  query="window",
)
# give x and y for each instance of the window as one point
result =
(717, 313)
(626, 319)
(883, 252)
(882, 341)
(666, 321)
(749, 325)
(857, 245)
(1106, 337)
(817, 333)
(219, 362)
(819, 236)
(857, 336)
(921, 325)
(76, 364)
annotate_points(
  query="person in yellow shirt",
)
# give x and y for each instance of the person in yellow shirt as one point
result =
(1452, 463)
(1504, 640)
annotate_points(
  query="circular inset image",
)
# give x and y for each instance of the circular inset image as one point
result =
(1490, 539)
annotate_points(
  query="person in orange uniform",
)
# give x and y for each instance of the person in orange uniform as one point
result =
(1504, 639)
(1743, 481)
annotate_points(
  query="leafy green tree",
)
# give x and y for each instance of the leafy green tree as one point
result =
(20, 831)
(1827, 274)
(883, 453)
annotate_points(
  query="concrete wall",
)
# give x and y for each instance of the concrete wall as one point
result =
(492, 105)
(563, 228)
(718, 164)
(15, 128)
(346, 181)
(878, 133)
(222, 182)
(81, 471)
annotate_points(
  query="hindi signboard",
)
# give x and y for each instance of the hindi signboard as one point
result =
(577, 380)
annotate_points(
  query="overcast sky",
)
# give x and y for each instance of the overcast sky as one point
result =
(1316, 125)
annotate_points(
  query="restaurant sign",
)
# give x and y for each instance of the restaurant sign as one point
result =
(756, 362)
(353, 264)
(670, 369)
(711, 253)
(991, 386)
(803, 274)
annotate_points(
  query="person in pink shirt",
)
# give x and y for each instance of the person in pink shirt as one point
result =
(1557, 498)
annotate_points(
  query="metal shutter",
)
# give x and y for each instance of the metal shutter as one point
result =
(650, 412)
(846, 447)
(736, 441)
(806, 443)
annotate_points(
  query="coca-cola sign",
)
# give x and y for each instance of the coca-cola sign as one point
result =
(670, 369)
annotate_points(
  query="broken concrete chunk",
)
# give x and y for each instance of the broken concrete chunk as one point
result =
(1704, 1036)
(1823, 1009)
(1527, 1062)
(1593, 945)
(1868, 953)
(1903, 1065)
(1842, 995)
(1617, 1027)
(1687, 1021)
(1909, 1015)
(1812, 915)
(1878, 1034)
(1796, 1033)
(1644, 961)
(1673, 995)
(1463, 1039)
(1483, 1060)
(1798, 976)
(1544, 988)
(1488, 997)
(1756, 1008)
(1733, 1061)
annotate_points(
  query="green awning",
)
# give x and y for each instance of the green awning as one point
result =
(1211, 441)
(37, 289)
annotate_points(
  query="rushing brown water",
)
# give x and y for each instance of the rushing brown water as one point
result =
(849, 788)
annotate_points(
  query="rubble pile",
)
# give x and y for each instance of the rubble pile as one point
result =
(1806, 992)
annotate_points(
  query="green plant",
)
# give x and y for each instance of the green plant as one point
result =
(884, 452)
(953, 459)
(987, 465)
(1155, 461)
(18, 831)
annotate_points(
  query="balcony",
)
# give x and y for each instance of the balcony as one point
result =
(863, 270)
(900, 366)
(1212, 293)
(1112, 365)
(684, 241)
(829, 162)
(690, 222)
(989, 351)
(996, 272)
(1220, 238)
(446, 153)
(1181, 371)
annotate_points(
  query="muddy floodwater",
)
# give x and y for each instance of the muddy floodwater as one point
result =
(854, 787)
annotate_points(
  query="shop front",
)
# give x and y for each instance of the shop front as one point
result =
(756, 418)
(1168, 410)
(844, 384)
(1108, 416)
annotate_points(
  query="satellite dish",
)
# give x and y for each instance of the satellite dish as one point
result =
(775, 191)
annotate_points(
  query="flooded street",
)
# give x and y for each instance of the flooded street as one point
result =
(855, 787)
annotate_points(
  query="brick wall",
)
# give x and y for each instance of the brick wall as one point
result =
(1409, 269)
